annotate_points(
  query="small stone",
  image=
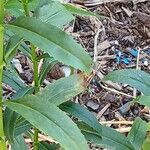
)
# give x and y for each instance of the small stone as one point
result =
(145, 63)
(66, 70)
(92, 104)
(125, 108)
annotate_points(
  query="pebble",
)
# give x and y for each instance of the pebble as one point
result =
(92, 104)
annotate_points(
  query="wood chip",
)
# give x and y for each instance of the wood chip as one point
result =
(103, 110)
(102, 46)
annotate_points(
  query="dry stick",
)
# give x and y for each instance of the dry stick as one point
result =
(101, 112)
(95, 45)
(115, 91)
(123, 129)
(98, 2)
(96, 41)
(117, 122)
(137, 68)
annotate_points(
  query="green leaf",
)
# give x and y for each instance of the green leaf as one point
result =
(19, 144)
(146, 144)
(138, 133)
(46, 146)
(53, 13)
(109, 137)
(22, 92)
(79, 11)
(14, 125)
(46, 67)
(11, 78)
(53, 41)
(81, 113)
(90, 134)
(143, 100)
(17, 4)
(13, 4)
(22, 47)
(63, 89)
(49, 119)
(21, 126)
(11, 47)
(10, 118)
(135, 78)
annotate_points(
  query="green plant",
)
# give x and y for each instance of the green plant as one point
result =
(43, 29)
(40, 24)
(141, 81)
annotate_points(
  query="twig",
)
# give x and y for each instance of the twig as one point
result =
(115, 91)
(117, 122)
(106, 57)
(137, 68)
(103, 110)
(123, 130)
(98, 2)
(95, 45)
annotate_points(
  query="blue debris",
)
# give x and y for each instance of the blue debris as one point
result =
(129, 56)
(133, 52)
(122, 57)
(126, 61)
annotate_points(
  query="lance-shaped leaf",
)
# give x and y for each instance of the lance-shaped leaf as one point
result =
(104, 137)
(48, 64)
(52, 40)
(146, 144)
(10, 118)
(63, 89)
(135, 78)
(138, 133)
(49, 119)
(19, 143)
(46, 146)
(53, 13)
(11, 78)
(79, 11)
(11, 47)
(143, 100)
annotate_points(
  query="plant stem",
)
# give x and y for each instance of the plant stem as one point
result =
(35, 71)
(2, 136)
(36, 85)
(25, 6)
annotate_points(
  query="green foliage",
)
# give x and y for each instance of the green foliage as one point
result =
(146, 144)
(138, 133)
(79, 11)
(54, 41)
(135, 78)
(102, 136)
(40, 24)
(141, 81)
(143, 100)
(63, 89)
(46, 146)
(46, 117)
(53, 13)
(11, 47)
(19, 143)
